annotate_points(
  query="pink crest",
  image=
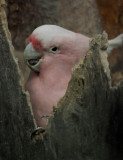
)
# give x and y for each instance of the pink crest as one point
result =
(35, 42)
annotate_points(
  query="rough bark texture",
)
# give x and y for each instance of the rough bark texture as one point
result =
(87, 123)
(16, 120)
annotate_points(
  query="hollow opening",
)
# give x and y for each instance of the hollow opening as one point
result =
(24, 16)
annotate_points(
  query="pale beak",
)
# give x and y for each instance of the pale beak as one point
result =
(33, 59)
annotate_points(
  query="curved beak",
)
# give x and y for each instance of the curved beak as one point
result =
(33, 59)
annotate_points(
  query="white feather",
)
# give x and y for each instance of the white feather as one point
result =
(47, 33)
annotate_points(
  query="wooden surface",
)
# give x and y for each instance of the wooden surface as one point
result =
(16, 120)
(88, 122)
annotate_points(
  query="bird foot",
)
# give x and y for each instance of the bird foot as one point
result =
(38, 133)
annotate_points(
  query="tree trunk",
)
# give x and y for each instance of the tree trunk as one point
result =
(16, 120)
(87, 123)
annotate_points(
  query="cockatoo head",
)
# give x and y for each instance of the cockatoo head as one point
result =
(56, 43)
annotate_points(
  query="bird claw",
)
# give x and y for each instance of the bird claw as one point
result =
(45, 116)
(38, 133)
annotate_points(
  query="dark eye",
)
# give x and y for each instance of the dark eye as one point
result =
(53, 49)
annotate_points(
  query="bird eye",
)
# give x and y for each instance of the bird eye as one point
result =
(53, 49)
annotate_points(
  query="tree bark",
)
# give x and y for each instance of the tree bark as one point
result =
(16, 120)
(87, 123)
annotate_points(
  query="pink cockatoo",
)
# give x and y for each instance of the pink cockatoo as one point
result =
(51, 53)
